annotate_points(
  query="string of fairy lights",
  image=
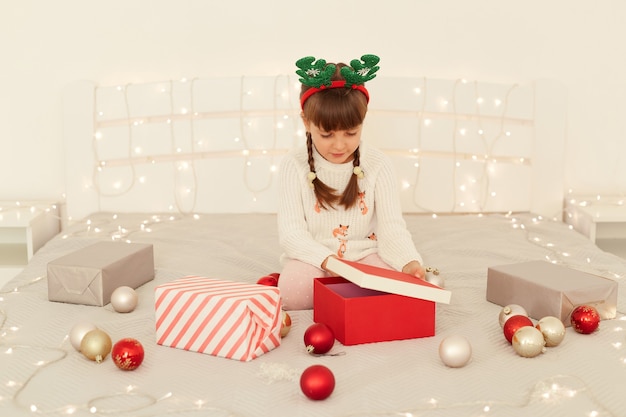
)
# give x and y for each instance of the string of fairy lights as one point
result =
(184, 162)
(554, 391)
(260, 157)
(425, 119)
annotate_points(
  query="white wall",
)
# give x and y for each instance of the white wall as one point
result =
(44, 46)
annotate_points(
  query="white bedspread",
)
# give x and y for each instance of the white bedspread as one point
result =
(40, 372)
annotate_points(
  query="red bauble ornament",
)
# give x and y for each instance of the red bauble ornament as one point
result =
(127, 354)
(319, 338)
(269, 280)
(585, 319)
(317, 382)
(513, 324)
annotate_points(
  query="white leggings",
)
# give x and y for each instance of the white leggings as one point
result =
(296, 281)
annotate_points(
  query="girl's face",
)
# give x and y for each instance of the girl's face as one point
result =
(336, 146)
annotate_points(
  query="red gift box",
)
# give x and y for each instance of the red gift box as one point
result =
(385, 305)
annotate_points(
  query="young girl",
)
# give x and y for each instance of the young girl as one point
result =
(337, 197)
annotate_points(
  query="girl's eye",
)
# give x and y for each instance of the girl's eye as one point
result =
(326, 134)
(351, 133)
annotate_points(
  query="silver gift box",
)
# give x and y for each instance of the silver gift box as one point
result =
(546, 289)
(89, 275)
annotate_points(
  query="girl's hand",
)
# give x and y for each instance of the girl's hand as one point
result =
(414, 268)
(324, 263)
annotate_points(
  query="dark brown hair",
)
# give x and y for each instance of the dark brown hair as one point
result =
(334, 109)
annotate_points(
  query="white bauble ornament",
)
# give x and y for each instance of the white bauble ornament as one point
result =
(510, 311)
(528, 342)
(124, 299)
(455, 351)
(78, 332)
(553, 330)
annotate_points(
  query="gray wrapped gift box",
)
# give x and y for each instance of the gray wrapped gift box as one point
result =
(89, 275)
(546, 289)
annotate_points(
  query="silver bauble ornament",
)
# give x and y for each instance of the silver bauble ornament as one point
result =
(455, 351)
(528, 342)
(124, 299)
(78, 332)
(436, 279)
(510, 311)
(553, 330)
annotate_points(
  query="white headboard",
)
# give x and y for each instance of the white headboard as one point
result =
(212, 145)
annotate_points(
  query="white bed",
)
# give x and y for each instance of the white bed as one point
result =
(472, 201)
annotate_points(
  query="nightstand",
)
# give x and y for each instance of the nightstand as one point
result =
(24, 228)
(601, 219)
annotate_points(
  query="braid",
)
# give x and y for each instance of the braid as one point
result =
(309, 148)
(326, 196)
(351, 193)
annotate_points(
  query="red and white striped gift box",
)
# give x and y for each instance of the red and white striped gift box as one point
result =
(221, 318)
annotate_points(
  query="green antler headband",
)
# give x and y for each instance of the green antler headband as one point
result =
(317, 75)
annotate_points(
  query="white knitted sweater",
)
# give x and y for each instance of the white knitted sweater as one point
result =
(375, 224)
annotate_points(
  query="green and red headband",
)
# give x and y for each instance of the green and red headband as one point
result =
(317, 75)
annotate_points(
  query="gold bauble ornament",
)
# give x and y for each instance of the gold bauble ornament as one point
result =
(528, 342)
(96, 345)
(553, 330)
(285, 325)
